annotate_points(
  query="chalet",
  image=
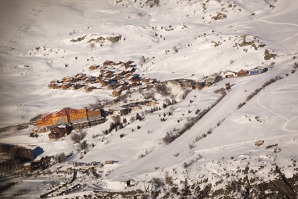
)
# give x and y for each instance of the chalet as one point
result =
(135, 79)
(66, 86)
(98, 80)
(107, 62)
(66, 79)
(120, 111)
(242, 73)
(88, 80)
(80, 76)
(134, 84)
(93, 67)
(262, 69)
(116, 77)
(128, 76)
(146, 80)
(58, 132)
(77, 86)
(123, 87)
(40, 162)
(88, 89)
(230, 74)
(151, 103)
(254, 71)
(109, 162)
(116, 93)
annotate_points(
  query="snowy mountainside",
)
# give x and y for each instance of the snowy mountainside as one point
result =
(207, 143)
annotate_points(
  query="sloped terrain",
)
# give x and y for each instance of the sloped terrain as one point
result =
(194, 143)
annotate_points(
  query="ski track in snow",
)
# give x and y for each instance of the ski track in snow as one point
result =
(264, 107)
(275, 92)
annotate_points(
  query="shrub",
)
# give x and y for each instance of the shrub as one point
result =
(162, 89)
(77, 137)
(60, 157)
(138, 117)
(83, 145)
(241, 104)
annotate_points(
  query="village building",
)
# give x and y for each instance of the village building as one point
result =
(128, 76)
(242, 73)
(254, 71)
(93, 67)
(67, 116)
(230, 74)
(116, 93)
(151, 103)
(123, 88)
(109, 162)
(120, 111)
(66, 79)
(88, 89)
(65, 86)
(262, 69)
(77, 86)
(58, 132)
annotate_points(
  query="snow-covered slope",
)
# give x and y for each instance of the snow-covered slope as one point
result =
(167, 39)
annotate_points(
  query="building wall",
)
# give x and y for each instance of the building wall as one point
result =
(94, 114)
(77, 115)
(68, 115)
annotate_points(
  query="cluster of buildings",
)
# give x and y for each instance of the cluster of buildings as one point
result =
(242, 72)
(210, 80)
(118, 77)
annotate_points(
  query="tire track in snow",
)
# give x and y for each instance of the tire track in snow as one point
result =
(264, 107)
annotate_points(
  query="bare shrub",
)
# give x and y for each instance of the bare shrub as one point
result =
(241, 104)
(116, 118)
(191, 146)
(60, 157)
(263, 86)
(162, 89)
(83, 145)
(168, 179)
(221, 91)
(77, 137)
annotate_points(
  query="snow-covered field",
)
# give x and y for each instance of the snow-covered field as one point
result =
(41, 41)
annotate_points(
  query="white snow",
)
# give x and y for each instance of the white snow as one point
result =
(178, 39)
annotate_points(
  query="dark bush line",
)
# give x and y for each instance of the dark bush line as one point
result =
(259, 89)
(171, 136)
(295, 66)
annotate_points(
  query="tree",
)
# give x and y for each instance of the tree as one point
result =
(138, 117)
(83, 145)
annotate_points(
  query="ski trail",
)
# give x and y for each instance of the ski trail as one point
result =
(289, 121)
(264, 107)
(279, 90)
(276, 23)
